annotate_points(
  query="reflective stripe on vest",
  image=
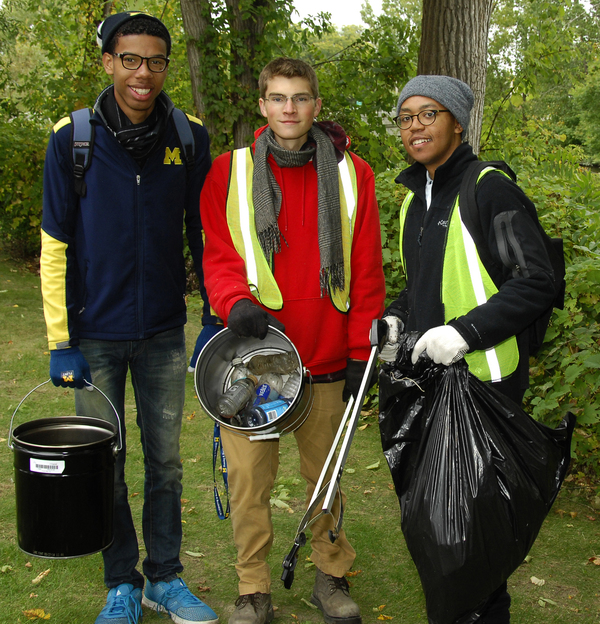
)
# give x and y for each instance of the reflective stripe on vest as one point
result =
(242, 227)
(466, 284)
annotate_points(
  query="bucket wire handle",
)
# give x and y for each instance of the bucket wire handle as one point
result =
(10, 430)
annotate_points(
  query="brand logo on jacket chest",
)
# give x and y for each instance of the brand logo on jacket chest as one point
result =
(172, 156)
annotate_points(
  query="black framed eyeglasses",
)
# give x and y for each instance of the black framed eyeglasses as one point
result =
(425, 117)
(156, 64)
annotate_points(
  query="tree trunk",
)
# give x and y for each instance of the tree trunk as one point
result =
(222, 48)
(248, 31)
(454, 36)
(196, 22)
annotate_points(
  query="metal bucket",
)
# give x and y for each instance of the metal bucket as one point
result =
(214, 369)
(64, 483)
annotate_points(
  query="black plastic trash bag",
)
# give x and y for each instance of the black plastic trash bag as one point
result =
(475, 476)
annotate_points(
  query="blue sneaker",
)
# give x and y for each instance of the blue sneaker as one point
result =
(123, 606)
(178, 601)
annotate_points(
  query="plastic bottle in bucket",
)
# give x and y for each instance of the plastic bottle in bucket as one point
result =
(291, 386)
(282, 363)
(236, 397)
(257, 415)
(239, 369)
(268, 389)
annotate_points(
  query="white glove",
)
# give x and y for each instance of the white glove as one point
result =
(390, 349)
(444, 345)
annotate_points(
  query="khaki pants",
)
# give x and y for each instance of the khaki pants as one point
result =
(252, 468)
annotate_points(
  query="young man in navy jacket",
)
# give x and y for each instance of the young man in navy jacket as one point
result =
(113, 285)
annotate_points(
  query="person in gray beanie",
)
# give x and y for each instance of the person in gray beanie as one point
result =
(451, 93)
(444, 299)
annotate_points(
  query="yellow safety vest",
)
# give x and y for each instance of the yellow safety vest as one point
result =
(466, 284)
(240, 218)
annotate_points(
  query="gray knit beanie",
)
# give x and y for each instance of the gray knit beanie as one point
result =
(452, 93)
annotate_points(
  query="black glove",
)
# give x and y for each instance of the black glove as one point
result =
(355, 371)
(247, 319)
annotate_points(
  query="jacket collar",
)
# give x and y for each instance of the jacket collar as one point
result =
(414, 177)
(98, 115)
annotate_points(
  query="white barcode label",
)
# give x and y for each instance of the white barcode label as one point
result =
(48, 467)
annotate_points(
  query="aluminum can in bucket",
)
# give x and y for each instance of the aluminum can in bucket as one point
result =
(64, 485)
(213, 376)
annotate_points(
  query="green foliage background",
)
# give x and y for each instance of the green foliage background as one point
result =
(541, 116)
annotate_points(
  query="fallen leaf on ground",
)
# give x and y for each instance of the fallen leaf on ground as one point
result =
(382, 616)
(310, 604)
(203, 588)
(5, 568)
(191, 553)
(374, 466)
(595, 560)
(363, 427)
(36, 614)
(543, 601)
(41, 576)
(536, 581)
(353, 572)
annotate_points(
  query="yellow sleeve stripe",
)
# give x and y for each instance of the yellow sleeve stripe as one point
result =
(59, 124)
(53, 273)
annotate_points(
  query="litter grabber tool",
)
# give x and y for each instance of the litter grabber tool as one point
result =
(324, 493)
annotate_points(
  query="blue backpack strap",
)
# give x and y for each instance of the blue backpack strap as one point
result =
(186, 137)
(82, 144)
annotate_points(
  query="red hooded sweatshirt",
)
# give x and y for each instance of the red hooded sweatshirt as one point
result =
(323, 336)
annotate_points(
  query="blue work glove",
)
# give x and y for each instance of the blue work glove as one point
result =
(68, 368)
(208, 331)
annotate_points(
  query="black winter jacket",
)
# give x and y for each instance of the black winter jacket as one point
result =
(522, 296)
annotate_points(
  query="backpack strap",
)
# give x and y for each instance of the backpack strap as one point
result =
(186, 137)
(82, 144)
(469, 210)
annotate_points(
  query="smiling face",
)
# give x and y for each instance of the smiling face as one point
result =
(290, 122)
(430, 145)
(136, 90)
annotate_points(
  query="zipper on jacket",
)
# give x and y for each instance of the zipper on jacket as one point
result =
(140, 258)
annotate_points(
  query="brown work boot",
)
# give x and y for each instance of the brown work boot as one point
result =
(331, 595)
(252, 609)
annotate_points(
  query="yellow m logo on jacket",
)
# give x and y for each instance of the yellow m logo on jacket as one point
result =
(172, 156)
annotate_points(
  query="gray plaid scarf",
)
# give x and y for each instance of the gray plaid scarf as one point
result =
(266, 196)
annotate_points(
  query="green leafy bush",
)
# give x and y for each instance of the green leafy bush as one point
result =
(22, 151)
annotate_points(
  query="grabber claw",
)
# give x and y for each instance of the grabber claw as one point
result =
(289, 563)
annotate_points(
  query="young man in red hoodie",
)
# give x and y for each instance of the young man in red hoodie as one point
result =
(317, 275)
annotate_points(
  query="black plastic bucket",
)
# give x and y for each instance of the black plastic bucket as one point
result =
(64, 484)
(214, 369)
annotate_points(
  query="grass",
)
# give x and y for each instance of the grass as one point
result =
(385, 582)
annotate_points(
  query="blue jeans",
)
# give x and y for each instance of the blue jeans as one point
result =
(158, 367)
